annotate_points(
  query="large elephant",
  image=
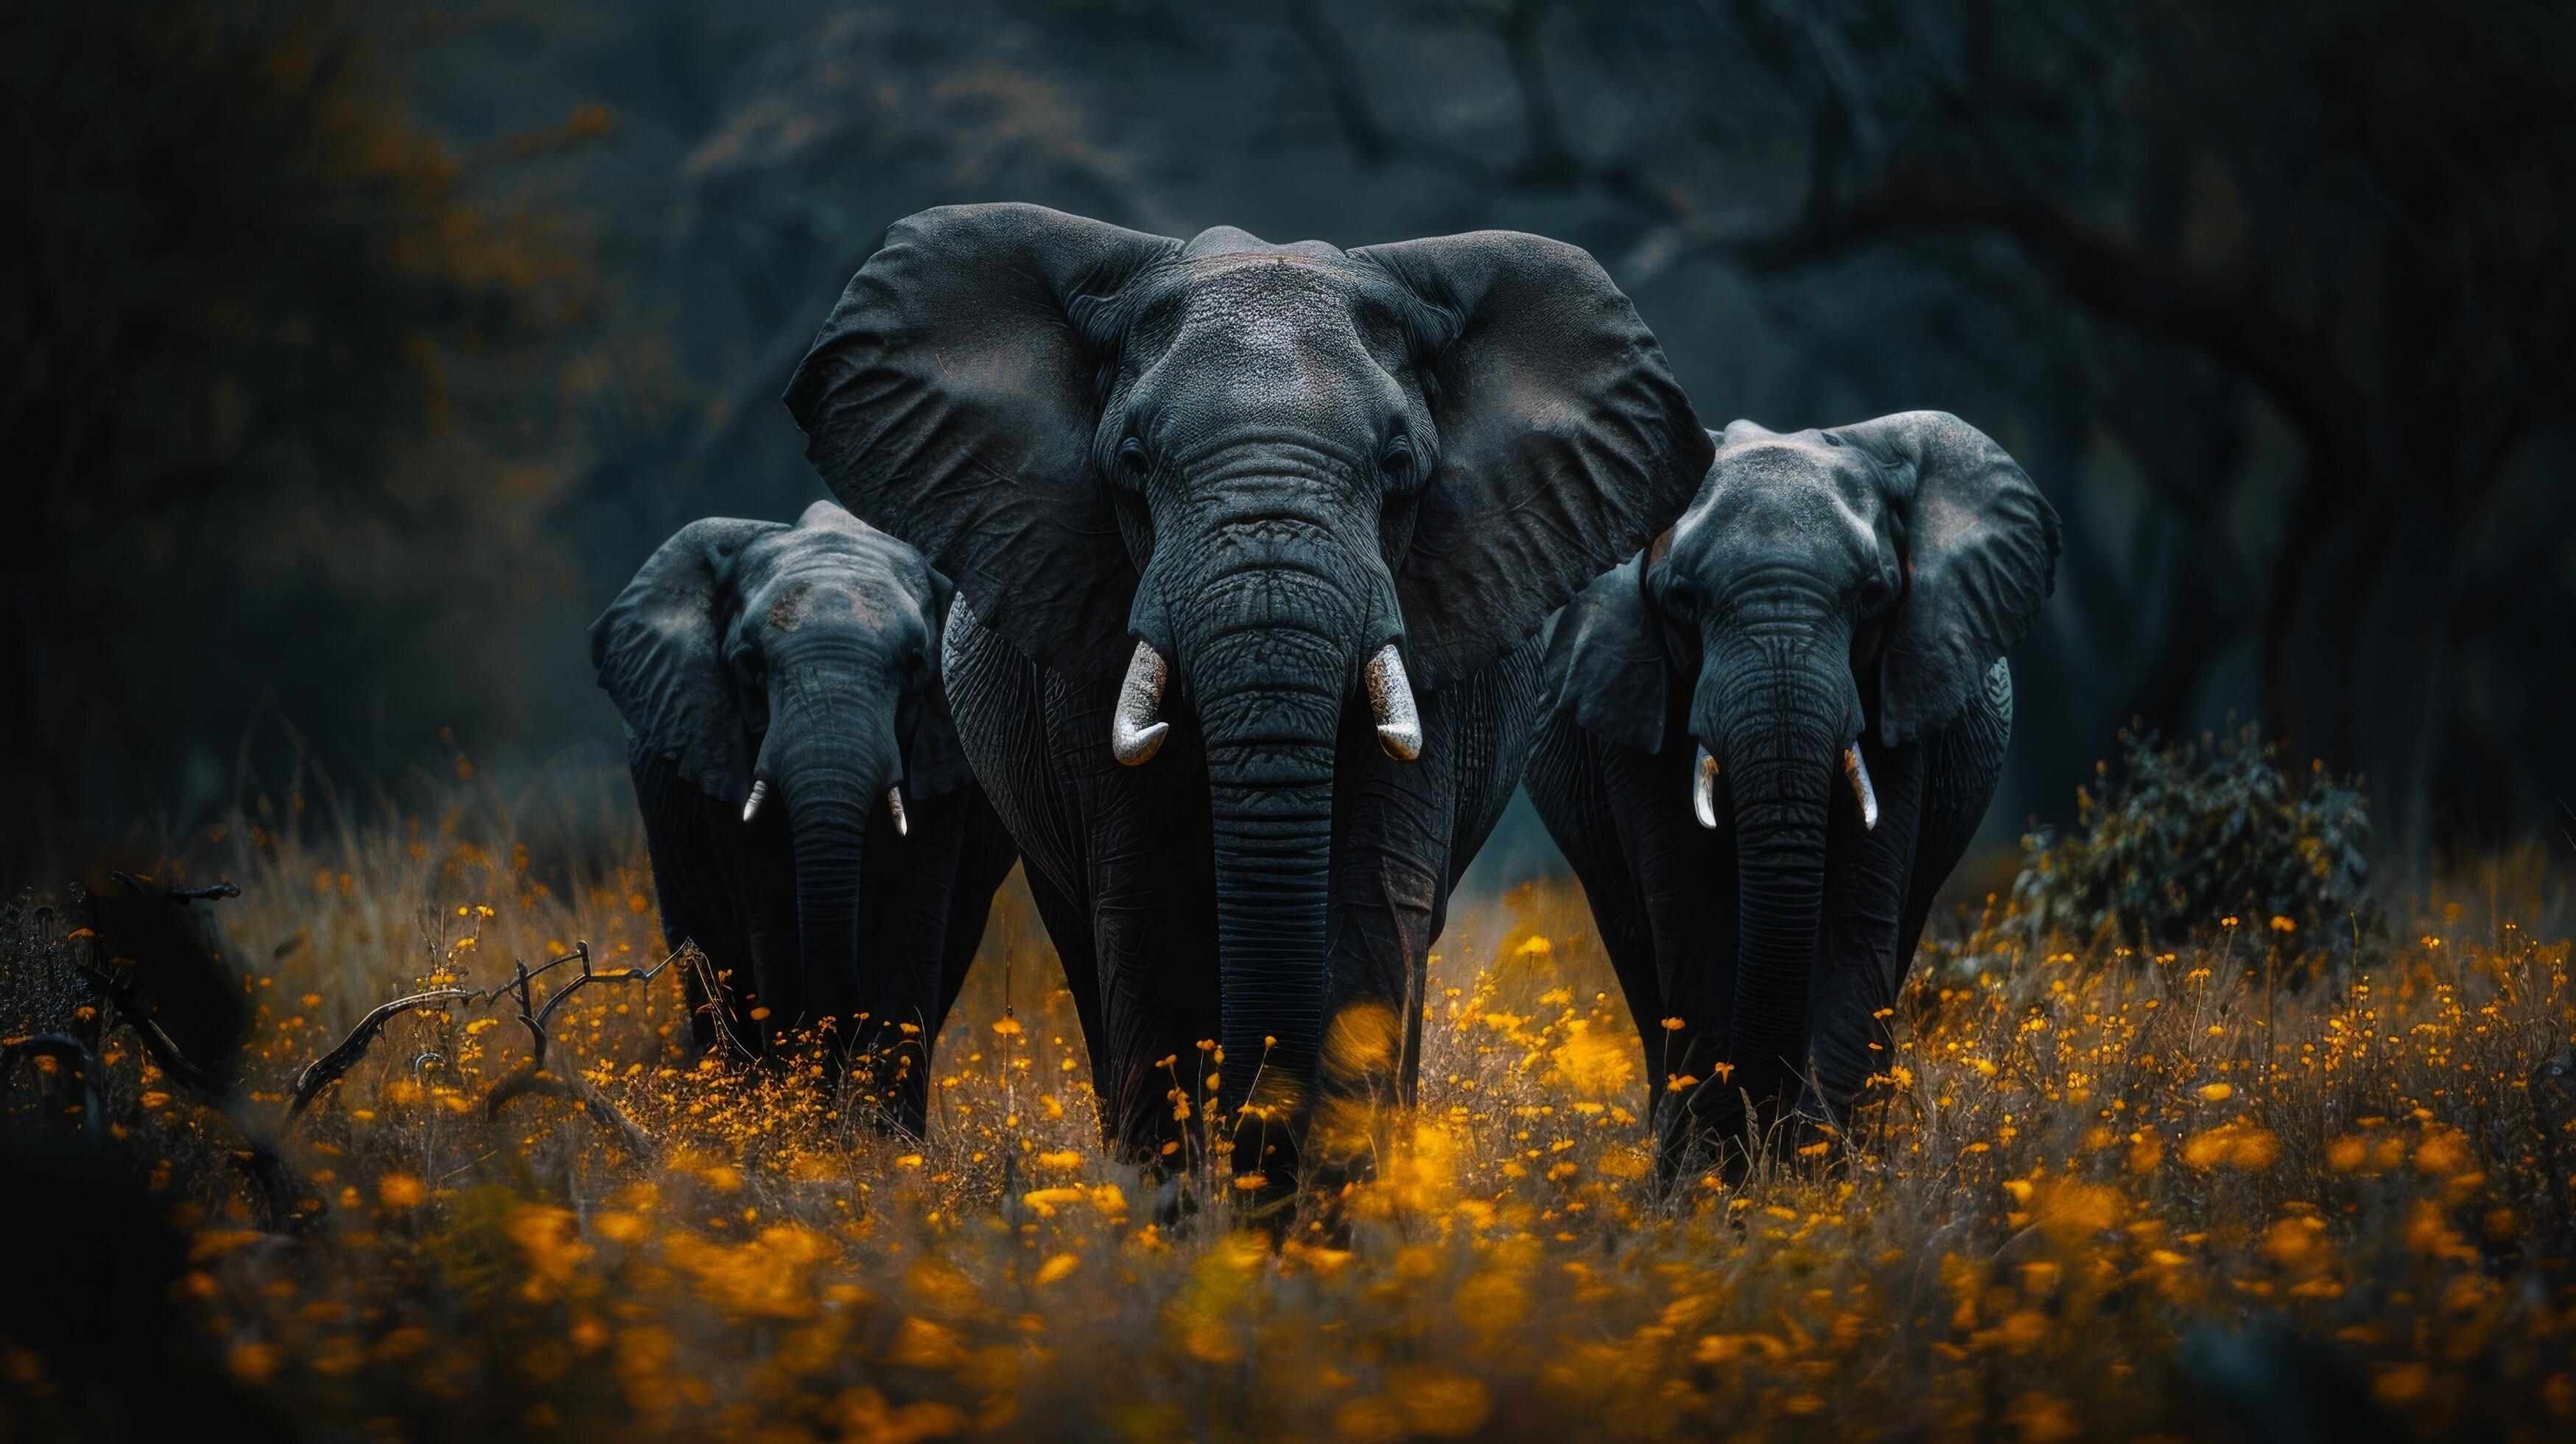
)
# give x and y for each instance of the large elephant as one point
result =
(784, 722)
(1253, 545)
(1772, 735)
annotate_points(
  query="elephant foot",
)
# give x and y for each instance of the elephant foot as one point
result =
(1739, 1137)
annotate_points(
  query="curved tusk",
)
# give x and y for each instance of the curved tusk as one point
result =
(1390, 694)
(1136, 731)
(759, 795)
(1704, 789)
(894, 804)
(1857, 772)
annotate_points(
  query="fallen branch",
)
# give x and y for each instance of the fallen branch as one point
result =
(531, 1077)
(323, 1071)
(175, 894)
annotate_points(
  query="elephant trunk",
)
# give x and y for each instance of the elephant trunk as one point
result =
(1270, 643)
(1781, 720)
(831, 840)
(1272, 809)
(832, 779)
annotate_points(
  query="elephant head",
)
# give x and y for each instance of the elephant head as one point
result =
(1822, 585)
(790, 672)
(1267, 481)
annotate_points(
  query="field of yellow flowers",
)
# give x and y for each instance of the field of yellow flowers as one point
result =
(2097, 1196)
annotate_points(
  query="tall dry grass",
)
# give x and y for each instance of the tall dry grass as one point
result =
(2095, 1195)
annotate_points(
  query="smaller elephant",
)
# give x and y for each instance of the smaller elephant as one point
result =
(1771, 736)
(784, 723)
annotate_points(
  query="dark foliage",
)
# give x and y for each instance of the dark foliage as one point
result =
(255, 323)
(2183, 841)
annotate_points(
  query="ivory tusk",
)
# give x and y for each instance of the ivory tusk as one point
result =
(1704, 789)
(759, 795)
(1136, 730)
(1857, 772)
(894, 804)
(1390, 694)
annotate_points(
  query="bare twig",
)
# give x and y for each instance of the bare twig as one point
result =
(323, 1071)
(531, 1077)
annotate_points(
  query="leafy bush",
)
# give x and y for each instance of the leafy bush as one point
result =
(2186, 839)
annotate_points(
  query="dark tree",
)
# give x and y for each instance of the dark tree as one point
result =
(267, 354)
(2294, 272)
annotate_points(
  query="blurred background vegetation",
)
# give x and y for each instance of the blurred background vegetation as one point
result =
(352, 355)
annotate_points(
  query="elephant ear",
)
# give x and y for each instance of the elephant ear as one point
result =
(934, 762)
(659, 652)
(950, 401)
(1981, 553)
(1564, 441)
(1605, 661)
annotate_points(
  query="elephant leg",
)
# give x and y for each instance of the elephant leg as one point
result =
(758, 865)
(1868, 874)
(1686, 888)
(985, 859)
(1022, 729)
(892, 1011)
(1568, 786)
(1390, 870)
(1496, 725)
(1143, 889)
(1405, 833)
(1105, 847)
(1069, 929)
(1390, 875)
(1963, 764)
(1156, 955)
(1662, 891)
(689, 886)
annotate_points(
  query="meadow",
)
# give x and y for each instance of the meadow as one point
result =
(2096, 1194)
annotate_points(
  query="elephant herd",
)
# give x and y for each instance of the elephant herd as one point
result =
(1231, 588)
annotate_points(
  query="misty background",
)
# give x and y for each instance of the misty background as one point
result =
(352, 356)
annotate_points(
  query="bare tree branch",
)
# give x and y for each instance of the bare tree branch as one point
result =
(531, 1077)
(323, 1071)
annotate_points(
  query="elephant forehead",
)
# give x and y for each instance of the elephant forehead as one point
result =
(1792, 478)
(1783, 498)
(1266, 301)
(797, 602)
(786, 610)
(1258, 335)
(847, 554)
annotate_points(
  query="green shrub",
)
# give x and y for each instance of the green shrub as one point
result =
(2186, 841)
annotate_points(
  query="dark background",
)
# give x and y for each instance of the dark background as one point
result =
(352, 356)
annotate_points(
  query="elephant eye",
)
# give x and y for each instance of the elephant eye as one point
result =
(1875, 594)
(1398, 462)
(1133, 464)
